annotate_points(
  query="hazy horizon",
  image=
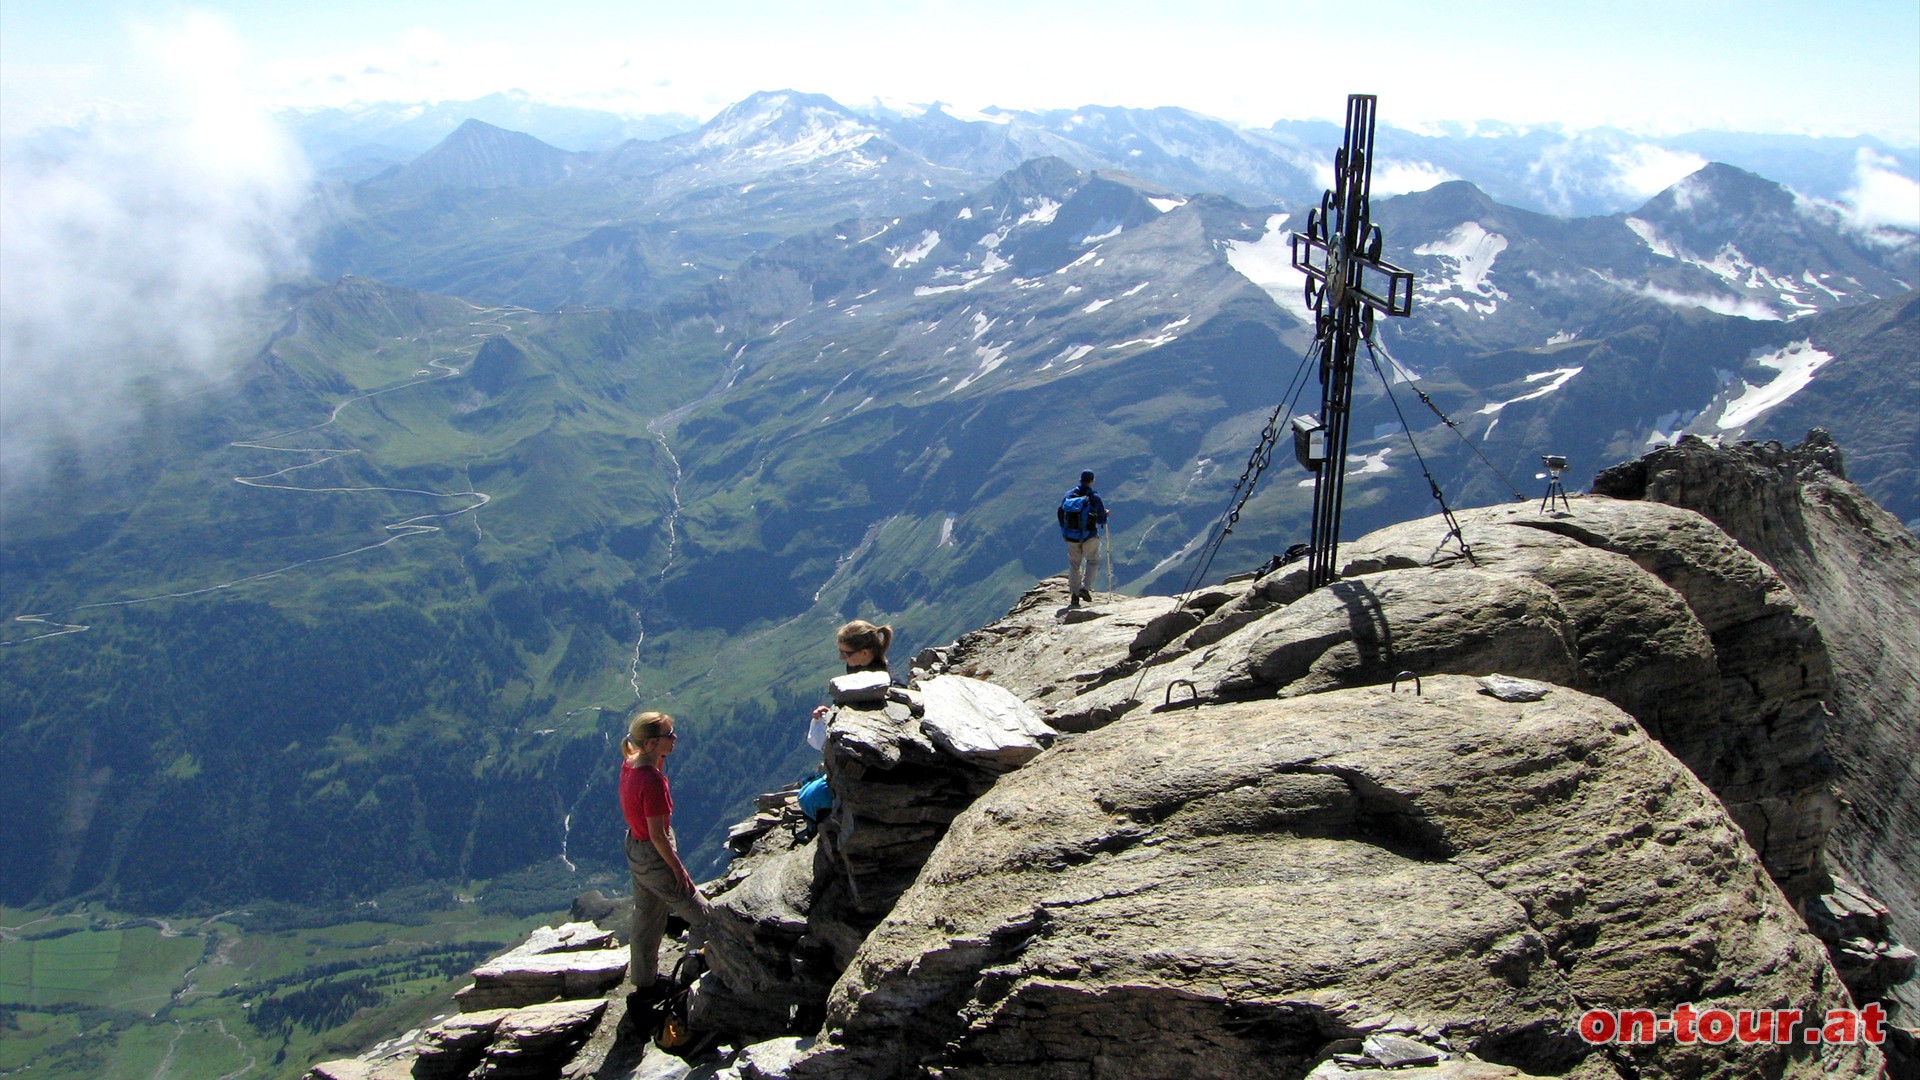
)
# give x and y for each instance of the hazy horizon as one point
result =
(1647, 67)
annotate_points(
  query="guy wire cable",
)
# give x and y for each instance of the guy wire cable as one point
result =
(1433, 486)
(1452, 424)
(1249, 477)
(1257, 463)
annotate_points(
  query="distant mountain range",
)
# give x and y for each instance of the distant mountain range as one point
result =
(1599, 171)
(357, 616)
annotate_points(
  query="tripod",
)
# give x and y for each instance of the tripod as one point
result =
(1555, 490)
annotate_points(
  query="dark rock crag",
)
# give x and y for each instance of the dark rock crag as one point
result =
(1856, 570)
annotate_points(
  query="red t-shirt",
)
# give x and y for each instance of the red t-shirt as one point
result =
(643, 794)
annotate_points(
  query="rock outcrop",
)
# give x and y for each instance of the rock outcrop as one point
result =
(526, 1016)
(789, 916)
(1228, 890)
(1653, 608)
(572, 962)
(1856, 569)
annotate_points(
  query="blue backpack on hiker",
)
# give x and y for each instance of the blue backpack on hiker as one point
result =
(1077, 518)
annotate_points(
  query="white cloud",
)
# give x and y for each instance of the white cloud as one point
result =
(1882, 197)
(1400, 179)
(128, 252)
(1645, 170)
(1738, 306)
(1608, 166)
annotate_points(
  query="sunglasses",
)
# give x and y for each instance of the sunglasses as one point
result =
(667, 735)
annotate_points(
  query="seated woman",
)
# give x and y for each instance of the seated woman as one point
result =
(863, 647)
(660, 880)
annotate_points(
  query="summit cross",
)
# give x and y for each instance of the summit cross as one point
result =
(1347, 282)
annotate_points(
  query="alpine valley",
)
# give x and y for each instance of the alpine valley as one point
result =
(552, 430)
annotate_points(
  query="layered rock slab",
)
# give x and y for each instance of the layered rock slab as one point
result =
(571, 961)
(1652, 607)
(789, 915)
(1856, 568)
(1228, 889)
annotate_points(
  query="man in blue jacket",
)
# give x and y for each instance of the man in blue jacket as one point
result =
(1081, 516)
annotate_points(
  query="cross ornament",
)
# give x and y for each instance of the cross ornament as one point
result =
(1346, 283)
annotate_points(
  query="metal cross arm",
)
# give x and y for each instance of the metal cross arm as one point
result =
(1320, 256)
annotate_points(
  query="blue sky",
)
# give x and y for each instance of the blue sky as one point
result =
(1650, 67)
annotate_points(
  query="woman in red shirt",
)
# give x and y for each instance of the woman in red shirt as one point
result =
(660, 880)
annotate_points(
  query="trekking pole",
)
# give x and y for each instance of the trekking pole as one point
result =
(1106, 553)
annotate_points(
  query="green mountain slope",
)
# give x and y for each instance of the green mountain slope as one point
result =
(344, 622)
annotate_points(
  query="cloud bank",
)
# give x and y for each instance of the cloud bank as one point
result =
(130, 249)
(1882, 197)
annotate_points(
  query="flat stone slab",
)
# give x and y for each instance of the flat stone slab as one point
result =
(354, 1069)
(1508, 688)
(982, 723)
(859, 686)
(1394, 1051)
(568, 937)
(519, 979)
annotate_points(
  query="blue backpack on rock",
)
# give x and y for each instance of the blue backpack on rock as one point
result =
(815, 798)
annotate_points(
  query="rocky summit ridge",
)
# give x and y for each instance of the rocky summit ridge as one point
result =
(1619, 756)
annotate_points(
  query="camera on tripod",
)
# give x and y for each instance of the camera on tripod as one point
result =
(1556, 492)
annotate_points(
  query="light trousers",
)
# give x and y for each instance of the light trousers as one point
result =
(655, 892)
(1083, 558)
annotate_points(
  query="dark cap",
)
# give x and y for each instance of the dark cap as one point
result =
(1087, 477)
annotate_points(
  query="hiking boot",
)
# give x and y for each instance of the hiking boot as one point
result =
(1084, 594)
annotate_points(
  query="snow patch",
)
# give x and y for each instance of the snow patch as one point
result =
(990, 357)
(1558, 378)
(1796, 364)
(1042, 213)
(1650, 236)
(1468, 252)
(1668, 426)
(1371, 463)
(1067, 356)
(906, 257)
(1165, 204)
(936, 290)
(1164, 337)
(1087, 258)
(1268, 263)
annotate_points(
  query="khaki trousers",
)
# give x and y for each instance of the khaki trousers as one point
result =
(1081, 552)
(654, 894)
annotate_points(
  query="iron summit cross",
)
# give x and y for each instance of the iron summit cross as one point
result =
(1347, 282)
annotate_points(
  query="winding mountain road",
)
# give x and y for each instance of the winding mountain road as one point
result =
(438, 369)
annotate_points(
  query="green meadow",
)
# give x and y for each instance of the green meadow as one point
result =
(89, 992)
